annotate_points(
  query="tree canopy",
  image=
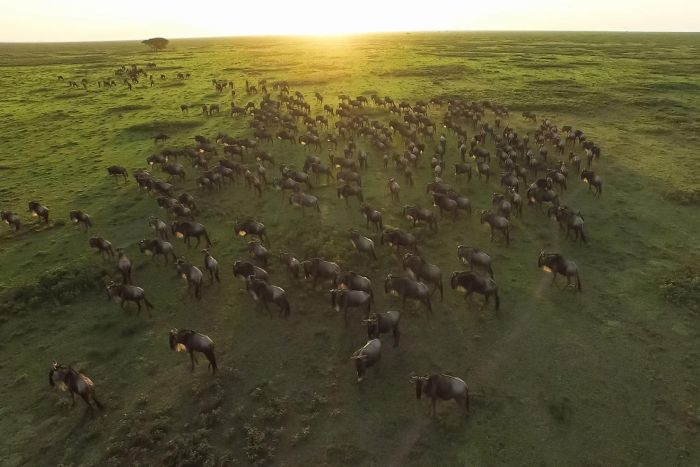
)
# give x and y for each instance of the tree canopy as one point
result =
(156, 43)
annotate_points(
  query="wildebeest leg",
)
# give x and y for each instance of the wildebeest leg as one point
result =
(434, 400)
(192, 359)
(199, 240)
(554, 276)
(269, 312)
(72, 398)
(86, 399)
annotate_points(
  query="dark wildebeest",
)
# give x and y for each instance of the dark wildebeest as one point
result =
(75, 382)
(116, 171)
(258, 252)
(394, 189)
(191, 341)
(79, 217)
(342, 299)
(354, 281)
(399, 238)
(572, 220)
(321, 269)
(502, 205)
(464, 169)
(124, 266)
(242, 270)
(475, 258)
(372, 215)
(39, 211)
(174, 170)
(408, 288)
(446, 204)
(157, 247)
(470, 282)
(187, 229)
(419, 214)
(102, 245)
(128, 293)
(11, 219)
(419, 269)
(593, 180)
(346, 191)
(304, 200)
(160, 138)
(261, 290)
(251, 227)
(159, 227)
(556, 264)
(442, 387)
(192, 274)
(362, 244)
(382, 323)
(497, 223)
(291, 263)
(211, 265)
(366, 357)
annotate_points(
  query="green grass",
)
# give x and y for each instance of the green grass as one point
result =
(606, 377)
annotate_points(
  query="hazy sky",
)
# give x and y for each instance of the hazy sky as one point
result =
(83, 20)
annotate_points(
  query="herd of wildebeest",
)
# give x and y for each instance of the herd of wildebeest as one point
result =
(407, 142)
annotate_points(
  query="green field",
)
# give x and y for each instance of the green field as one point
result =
(606, 377)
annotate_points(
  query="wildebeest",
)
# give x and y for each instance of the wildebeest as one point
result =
(124, 266)
(160, 138)
(187, 229)
(372, 215)
(394, 189)
(382, 323)
(262, 291)
(593, 180)
(343, 299)
(211, 265)
(75, 382)
(128, 293)
(419, 269)
(362, 244)
(464, 168)
(116, 171)
(502, 205)
(40, 211)
(447, 204)
(159, 227)
(470, 282)
(80, 217)
(192, 274)
(354, 281)
(258, 252)
(193, 341)
(347, 191)
(444, 387)
(156, 246)
(174, 170)
(408, 288)
(251, 227)
(242, 270)
(102, 245)
(572, 220)
(304, 200)
(419, 214)
(496, 222)
(475, 258)
(11, 219)
(366, 357)
(320, 269)
(399, 238)
(556, 264)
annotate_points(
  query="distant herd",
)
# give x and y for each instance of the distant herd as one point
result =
(400, 142)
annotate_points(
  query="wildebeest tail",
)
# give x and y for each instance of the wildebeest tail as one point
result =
(209, 353)
(97, 403)
(578, 282)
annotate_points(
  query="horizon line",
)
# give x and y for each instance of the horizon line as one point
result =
(363, 33)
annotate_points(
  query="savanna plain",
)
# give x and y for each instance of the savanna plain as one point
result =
(605, 376)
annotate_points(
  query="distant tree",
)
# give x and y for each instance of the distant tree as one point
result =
(156, 43)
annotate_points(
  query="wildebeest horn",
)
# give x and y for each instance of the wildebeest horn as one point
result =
(55, 365)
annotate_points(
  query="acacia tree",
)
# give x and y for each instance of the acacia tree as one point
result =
(156, 43)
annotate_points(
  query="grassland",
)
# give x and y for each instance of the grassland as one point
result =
(606, 377)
